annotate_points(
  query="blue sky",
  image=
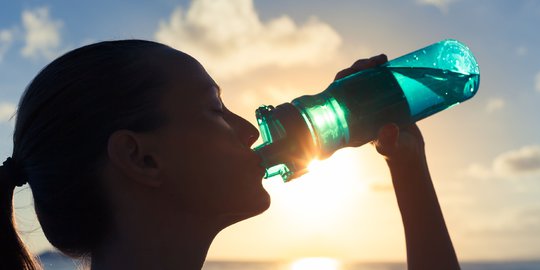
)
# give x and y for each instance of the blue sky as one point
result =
(484, 154)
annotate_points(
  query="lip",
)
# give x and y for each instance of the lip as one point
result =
(261, 170)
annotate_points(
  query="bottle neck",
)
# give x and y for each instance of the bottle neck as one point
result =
(327, 121)
(289, 144)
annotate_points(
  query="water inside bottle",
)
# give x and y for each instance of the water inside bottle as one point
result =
(429, 90)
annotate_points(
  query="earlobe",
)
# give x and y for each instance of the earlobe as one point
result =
(132, 155)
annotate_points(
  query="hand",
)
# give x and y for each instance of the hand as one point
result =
(362, 64)
(401, 145)
(394, 144)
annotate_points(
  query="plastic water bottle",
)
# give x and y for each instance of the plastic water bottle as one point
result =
(352, 109)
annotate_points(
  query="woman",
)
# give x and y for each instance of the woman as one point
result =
(135, 163)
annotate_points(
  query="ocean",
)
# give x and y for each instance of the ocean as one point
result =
(56, 261)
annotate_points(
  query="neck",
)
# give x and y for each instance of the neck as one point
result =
(169, 243)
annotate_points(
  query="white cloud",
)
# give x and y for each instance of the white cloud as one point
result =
(521, 161)
(442, 5)
(228, 37)
(495, 104)
(6, 39)
(514, 221)
(42, 34)
(479, 171)
(518, 163)
(7, 110)
(537, 81)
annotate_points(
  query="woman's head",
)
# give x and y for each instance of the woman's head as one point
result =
(137, 113)
(63, 123)
(205, 144)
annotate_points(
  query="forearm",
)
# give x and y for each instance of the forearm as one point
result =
(428, 243)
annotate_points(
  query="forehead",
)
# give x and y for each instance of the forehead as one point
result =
(180, 68)
(186, 80)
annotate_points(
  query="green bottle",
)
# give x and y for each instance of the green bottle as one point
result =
(352, 109)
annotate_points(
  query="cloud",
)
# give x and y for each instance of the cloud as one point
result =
(381, 187)
(228, 37)
(521, 162)
(7, 110)
(42, 34)
(6, 39)
(523, 220)
(442, 5)
(537, 81)
(479, 171)
(495, 104)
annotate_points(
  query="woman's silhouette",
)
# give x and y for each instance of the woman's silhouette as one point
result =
(135, 163)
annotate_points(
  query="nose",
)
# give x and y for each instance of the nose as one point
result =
(246, 132)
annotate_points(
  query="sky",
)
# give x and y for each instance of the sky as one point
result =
(484, 155)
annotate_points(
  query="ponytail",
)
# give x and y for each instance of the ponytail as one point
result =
(13, 253)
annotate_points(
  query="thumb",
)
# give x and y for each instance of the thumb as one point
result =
(386, 142)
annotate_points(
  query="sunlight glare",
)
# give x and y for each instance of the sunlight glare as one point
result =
(322, 198)
(316, 263)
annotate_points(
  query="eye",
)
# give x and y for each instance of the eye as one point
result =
(219, 111)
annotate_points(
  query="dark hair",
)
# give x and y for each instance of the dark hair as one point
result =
(64, 120)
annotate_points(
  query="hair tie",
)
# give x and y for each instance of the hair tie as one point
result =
(15, 172)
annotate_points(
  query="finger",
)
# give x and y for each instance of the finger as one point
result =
(362, 64)
(370, 63)
(344, 73)
(387, 139)
(415, 131)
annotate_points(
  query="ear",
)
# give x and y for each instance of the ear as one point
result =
(134, 156)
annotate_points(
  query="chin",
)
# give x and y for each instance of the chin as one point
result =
(256, 207)
(263, 205)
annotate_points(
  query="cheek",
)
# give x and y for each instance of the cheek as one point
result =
(211, 174)
(188, 172)
(194, 168)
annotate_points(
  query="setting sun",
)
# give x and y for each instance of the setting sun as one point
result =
(318, 199)
(317, 263)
